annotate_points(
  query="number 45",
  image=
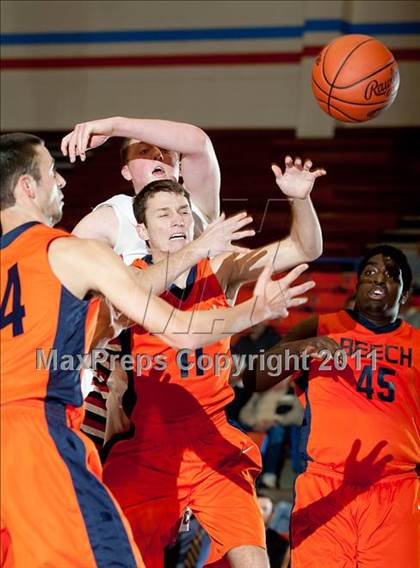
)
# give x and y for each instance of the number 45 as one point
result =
(364, 384)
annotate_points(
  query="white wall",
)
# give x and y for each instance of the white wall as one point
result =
(214, 96)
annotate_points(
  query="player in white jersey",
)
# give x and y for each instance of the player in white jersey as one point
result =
(152, 150)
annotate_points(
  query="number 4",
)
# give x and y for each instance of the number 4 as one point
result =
(15, 317)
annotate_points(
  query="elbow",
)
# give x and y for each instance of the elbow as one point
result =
(309, 254)
(202, 142)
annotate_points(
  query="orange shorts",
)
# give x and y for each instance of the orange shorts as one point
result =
(54, 509)
(208, 466)
(348, 525)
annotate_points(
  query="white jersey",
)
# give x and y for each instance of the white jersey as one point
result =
(128, 244)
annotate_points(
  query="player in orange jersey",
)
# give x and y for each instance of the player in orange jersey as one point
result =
(54, 509)
(356, 503)
(184, 455)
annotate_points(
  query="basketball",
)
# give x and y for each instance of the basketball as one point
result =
(354, 78)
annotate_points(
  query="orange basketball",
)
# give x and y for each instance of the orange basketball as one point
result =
(354, 78)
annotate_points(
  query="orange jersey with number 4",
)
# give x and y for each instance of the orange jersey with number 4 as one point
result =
(365, 407)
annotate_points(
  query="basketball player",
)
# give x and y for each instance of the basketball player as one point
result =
(184, 455)
(356, 503)
(54, 509)
(152, 150)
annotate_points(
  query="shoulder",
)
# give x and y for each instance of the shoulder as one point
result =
(77, 249)
(100, 224)
(120, 201)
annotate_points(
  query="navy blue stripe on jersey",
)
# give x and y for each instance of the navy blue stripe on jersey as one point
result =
(10, 236)
(107, 535)
(371, 326)
(64, 379)
(180, 293)
(303, 384)
(183, 293)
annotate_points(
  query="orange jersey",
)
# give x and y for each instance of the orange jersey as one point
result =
(182, 383)
(371, 404)
(40, 319)
(54, 509)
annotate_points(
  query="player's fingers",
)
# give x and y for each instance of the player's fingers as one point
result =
(300, 289)
(298, 163)
(265, 276)
(80, 142)
(276, 170)
(307, 165)
(64, 144)
(296, 302)
(72, 146)
(242, 234)
(238, 217)
(240, 223)
(288, 162)
(85, 142)
(320, 172)
(239, 250)
(294, 274)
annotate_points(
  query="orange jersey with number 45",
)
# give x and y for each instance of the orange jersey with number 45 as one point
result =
(363, 410)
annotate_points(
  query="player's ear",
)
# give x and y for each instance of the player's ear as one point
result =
(142, 232)
(404, 297)
(125, 172)
(27, 184)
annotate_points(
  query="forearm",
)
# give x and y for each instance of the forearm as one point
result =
(178, 136)
(277, 365)
(160, 276)
(305, 232)
(193, 329)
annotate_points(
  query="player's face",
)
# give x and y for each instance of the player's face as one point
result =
(148, 163)
(49, 196)
(170, 224)
(380, 287)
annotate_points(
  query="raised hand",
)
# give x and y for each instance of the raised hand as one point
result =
(218, 236)
(85, 136)
(273, 298)
(297, 181)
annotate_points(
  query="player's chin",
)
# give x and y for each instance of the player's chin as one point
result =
(176, 245)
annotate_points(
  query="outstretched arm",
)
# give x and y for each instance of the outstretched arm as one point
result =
(302, 245)
(294, 353)
(200, 168)
(87, 265)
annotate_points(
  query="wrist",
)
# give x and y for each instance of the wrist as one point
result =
(198, 249)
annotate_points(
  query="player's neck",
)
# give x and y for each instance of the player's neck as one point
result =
(14, 217)
(379, 319)
(159, 256)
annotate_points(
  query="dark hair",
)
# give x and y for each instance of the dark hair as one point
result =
(149, 190)
(397, 256)
(18, 156)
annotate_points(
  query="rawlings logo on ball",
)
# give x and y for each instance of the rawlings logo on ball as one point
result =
(378, 88)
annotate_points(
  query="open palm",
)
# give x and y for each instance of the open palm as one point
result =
(297, 181)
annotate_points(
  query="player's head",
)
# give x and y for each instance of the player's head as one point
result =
(266, 508)
(384, 280)
(143, 163)
(29, 182)
(163, 213)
